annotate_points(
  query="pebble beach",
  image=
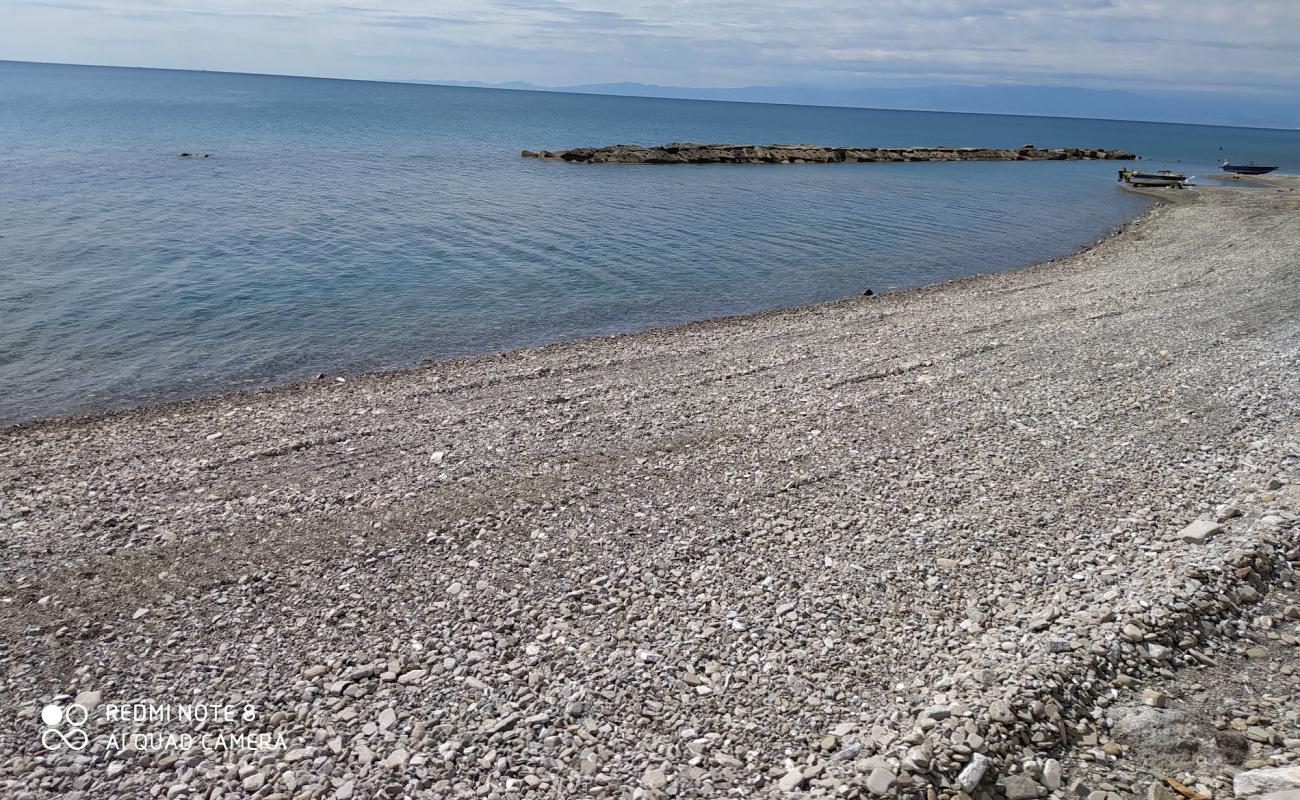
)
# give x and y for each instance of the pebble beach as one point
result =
(990, 538)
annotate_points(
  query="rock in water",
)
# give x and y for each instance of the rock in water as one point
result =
(685, 153)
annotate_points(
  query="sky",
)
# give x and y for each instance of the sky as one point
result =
(1232, 48)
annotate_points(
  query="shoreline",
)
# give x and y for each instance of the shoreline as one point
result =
(495, 355)
(930, 541)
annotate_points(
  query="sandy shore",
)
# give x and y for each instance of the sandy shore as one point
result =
(848, 550)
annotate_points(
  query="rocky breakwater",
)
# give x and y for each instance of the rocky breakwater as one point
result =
(682, 153)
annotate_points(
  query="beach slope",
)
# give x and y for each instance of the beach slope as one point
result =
(854, 548)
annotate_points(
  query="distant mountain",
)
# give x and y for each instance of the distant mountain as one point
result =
(1201, 108)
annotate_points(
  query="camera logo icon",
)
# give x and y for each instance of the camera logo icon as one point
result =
(63, 727)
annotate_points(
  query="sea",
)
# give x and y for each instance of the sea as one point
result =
(346, 226)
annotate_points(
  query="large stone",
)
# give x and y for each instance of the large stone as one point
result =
(398, 758)
(790, 781)
(1000, 711)
(936, 713)
(973, 773)
(881, 781)
(1162, 730)
(89, 700)
(411, 676)
(1200, 531)
(1052, 774)
(1020, 787)
(1280, 783)
(654, 778)
(1154, 698)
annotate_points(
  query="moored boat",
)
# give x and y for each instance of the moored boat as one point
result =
(1246, 169)
(1148, 179)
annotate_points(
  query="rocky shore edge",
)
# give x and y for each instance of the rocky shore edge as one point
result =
(687, 153)
(1001, 733)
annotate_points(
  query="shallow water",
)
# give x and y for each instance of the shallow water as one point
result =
(350, 225)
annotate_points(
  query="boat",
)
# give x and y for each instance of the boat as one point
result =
(1147, 178)
(1246, 169)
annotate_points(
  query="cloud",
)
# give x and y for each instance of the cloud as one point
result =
(1098, 43)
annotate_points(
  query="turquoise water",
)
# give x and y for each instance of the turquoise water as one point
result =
(343, 225)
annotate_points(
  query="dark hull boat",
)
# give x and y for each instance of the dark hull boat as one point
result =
(1246, 169)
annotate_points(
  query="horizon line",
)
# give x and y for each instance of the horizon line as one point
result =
(539, 89)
